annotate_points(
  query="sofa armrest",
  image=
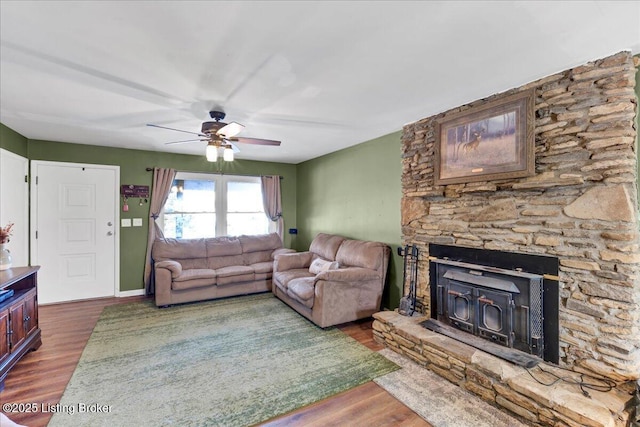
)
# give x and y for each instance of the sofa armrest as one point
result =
(281, 251)
(284, 262)
(174, 266)
(349, 274)
(163, 287)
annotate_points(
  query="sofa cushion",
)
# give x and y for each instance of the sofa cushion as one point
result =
(284, 277)
(326, 245)
(363, 254)
(192, 284)
(302, 290)
(175, 249)
(255, 257)
(262, 267)
(263, 242)
(202, 273)
(222, 246)
(194, 278)
(319, 265)
(261, 276)
(194, 263)
(217, 262)
(234, 274)
(262, 270)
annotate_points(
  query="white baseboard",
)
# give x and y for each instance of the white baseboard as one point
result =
(133, 293)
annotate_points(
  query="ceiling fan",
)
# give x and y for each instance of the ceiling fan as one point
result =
(218, 134)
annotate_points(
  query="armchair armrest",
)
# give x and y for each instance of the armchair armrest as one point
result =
(174, 266)
(349, 274)
(291, 261)
(281, 251)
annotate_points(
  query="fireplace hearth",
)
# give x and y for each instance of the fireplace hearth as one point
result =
(501, 302)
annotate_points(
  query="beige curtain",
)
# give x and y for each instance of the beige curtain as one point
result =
(162, 182)
(271, 199)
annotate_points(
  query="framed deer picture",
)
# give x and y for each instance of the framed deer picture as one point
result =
(487, 142)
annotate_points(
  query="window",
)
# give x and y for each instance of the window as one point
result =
(206, 205)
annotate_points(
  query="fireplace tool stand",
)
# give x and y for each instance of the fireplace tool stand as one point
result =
(410, 277)
(635, 422)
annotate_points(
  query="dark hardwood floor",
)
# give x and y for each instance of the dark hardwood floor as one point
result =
(41, 376)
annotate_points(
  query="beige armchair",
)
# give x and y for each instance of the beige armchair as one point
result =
(338, 280)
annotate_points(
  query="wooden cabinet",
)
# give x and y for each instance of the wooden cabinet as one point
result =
(4, 336)
(19, 331)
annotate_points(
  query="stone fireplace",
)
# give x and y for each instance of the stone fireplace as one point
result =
(581, 207)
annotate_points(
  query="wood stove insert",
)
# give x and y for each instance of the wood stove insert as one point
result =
(501, 302)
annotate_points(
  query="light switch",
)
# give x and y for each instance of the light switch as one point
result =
(125, 222)
(137, 222)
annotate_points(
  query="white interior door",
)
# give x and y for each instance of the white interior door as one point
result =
(74, 220)
(14, 204)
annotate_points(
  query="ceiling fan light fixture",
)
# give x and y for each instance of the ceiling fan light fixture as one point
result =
(227, 154)
(211, 152)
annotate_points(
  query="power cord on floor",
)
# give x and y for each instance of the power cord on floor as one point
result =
(605, 384)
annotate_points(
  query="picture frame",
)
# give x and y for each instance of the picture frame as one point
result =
(487, 142)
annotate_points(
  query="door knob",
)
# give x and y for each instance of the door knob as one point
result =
(109, 233)
(109, 223)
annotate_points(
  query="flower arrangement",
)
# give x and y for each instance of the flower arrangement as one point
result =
(5, 233)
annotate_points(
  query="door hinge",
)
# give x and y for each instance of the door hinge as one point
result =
(26, 179)
(36, 234)
(36, 180)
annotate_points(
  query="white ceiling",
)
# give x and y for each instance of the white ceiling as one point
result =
(318, 76)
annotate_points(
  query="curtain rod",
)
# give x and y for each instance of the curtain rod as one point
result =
(218, 173)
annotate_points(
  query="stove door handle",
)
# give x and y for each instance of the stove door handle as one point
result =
(486, 301)
(458, 294)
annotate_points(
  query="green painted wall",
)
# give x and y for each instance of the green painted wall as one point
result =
(12, 141)
(355, 193)
(132, 171)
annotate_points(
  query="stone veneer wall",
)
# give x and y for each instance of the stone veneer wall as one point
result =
(581, 206)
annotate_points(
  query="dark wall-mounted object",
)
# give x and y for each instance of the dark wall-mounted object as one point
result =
(129, 191)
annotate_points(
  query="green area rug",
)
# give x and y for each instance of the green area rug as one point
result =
(231, 362)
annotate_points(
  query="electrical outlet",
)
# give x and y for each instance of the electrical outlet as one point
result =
(137, 222)
(125, 222)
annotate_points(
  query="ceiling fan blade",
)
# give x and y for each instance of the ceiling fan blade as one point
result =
(177, 130)
(255, 141)
(230, 130)
(183, 142)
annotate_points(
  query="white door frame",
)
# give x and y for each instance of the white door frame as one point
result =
(116, 213)
(16, 184)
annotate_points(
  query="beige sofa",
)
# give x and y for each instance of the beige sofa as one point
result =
(338, 280)
(200, 269)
